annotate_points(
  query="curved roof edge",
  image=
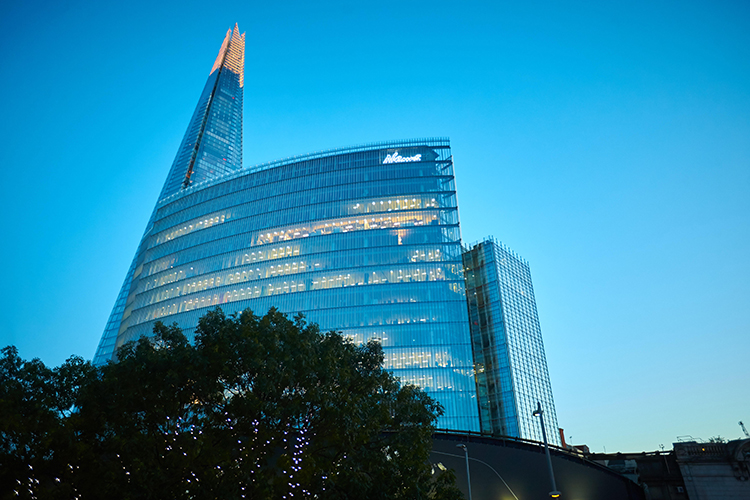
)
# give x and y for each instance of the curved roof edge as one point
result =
(427, 141)
(535, 447)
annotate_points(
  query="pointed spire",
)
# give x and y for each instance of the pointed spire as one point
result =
(210, 148)
(235, 59)
(222, 52)
(198, 160)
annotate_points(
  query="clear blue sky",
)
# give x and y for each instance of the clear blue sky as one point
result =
(608, 143)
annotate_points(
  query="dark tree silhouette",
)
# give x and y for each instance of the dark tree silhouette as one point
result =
(255, 408)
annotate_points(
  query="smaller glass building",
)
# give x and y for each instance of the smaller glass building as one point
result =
(509, 359)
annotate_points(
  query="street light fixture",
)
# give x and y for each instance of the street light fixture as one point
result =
(468, 474)
(540, 413)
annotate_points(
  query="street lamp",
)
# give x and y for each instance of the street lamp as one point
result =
(540, 413)
(468, 474)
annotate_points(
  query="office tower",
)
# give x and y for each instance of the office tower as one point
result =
(211, 147)
(509, 359)
(361, 240)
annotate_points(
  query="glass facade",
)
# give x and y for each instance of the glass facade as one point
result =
(211, 148)
(356, 243)
(510, 364)
(212, 145)
(362, 240)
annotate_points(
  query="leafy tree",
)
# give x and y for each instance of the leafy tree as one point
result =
(35, 444)
(255, 408)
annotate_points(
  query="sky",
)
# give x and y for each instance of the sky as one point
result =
(607, 143)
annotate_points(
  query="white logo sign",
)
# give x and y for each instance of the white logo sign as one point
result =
(395, 158)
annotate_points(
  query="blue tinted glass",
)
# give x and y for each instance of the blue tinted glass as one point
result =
(509, 354)
(367, 248)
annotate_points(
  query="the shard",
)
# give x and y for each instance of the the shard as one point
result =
(211, 148)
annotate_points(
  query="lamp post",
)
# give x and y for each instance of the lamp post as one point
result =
(540, 413)
(468, 474)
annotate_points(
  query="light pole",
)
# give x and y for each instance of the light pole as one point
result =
(540, 413)
(468, 474)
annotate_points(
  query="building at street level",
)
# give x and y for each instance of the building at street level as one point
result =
(509, 359)
(362, 240)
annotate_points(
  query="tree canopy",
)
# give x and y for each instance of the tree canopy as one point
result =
(256, 407)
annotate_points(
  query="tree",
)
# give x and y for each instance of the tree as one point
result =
(255, 408)
(35, 445)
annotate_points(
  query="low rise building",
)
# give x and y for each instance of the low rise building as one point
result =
(690, 471)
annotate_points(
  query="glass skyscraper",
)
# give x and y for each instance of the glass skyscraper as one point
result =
(509, 359)
(212, 147)
(363, 240)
